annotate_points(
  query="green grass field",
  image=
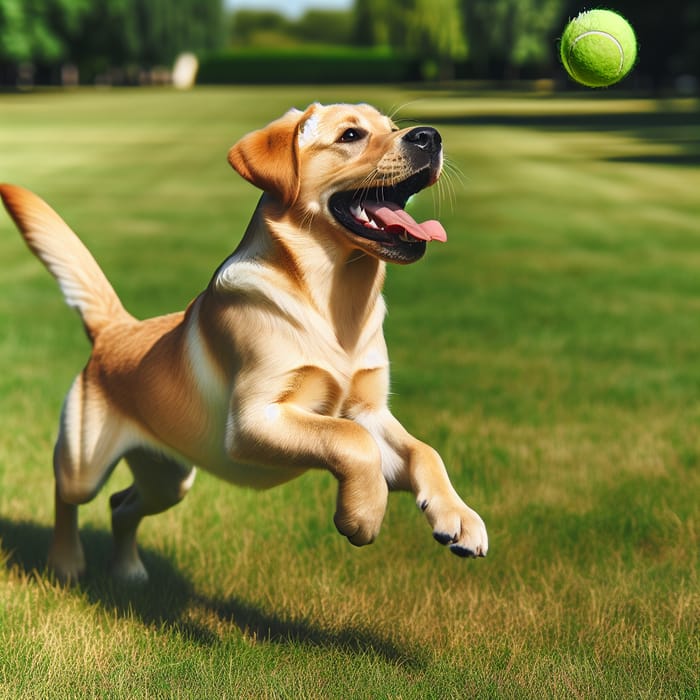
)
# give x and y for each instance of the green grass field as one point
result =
(550, 351)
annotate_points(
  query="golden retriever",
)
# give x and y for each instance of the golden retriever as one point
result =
(279, 365)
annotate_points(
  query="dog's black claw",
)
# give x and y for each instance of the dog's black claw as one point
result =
(462, 552)
(443, 537)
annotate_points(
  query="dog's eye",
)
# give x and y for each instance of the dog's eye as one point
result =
(350, 135)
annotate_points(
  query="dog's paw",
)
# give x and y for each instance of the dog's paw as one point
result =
(456, 525)
(126, 565)
(360, 510)
(129, 572)
(66, 573)
(66, 563)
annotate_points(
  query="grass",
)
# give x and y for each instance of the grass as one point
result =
(549, 350)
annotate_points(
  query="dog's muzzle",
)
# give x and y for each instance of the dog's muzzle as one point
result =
(377, 213)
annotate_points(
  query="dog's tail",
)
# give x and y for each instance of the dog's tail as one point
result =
(80, 278)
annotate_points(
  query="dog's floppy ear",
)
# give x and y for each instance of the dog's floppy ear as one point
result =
(269, 157)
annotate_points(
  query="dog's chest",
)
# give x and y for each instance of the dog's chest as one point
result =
(338, 391)
(289, 360)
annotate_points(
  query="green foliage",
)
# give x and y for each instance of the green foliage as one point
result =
(270, 29)
(38, 29)
(444, 32)
(429, 29)
(247, 25)
(122, 33)
(437, 27)
(325, 26)
(102, 34)
(371, 25)
(512, 33)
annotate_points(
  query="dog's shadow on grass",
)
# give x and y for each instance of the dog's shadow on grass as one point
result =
(170, 602)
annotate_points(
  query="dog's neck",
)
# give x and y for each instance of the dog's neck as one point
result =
(343, 284)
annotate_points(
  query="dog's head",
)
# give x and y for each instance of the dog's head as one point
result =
(351, 168)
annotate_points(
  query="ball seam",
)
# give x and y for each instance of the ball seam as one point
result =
(595, 32)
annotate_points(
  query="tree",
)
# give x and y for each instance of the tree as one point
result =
(38, 30)
(436, 26)
(511, 33)
(325, 26)
(373, 19)
(429, 29)
(248, 26)
(101, 35)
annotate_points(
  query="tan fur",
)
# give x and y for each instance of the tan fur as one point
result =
(277, 367)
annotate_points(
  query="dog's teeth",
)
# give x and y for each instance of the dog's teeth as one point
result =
(359, 213)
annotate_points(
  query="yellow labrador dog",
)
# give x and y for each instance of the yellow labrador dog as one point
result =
(279, 365)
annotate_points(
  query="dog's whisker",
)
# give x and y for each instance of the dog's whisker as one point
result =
(356, 256)
(367, 184)
(393, 114)
(447, 190)
(453, 170)
(451, 176)
(308, 219)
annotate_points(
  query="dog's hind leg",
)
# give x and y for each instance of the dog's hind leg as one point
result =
(66, 558)
(92, 438)
(160, 482)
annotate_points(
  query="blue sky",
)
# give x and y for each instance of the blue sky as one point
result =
(292, 8)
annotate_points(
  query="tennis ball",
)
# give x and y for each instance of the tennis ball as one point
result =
(598, 48)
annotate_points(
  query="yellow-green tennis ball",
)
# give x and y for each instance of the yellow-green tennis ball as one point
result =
(598, 48)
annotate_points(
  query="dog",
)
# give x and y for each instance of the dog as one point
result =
(279, 366)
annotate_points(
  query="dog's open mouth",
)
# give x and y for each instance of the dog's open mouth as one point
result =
(378, 213)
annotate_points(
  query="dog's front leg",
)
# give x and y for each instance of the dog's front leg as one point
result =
(283, 435)
(411, 465)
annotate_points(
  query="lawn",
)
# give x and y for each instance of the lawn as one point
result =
(550, 350)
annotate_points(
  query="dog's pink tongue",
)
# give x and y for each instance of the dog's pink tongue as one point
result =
(396, 220)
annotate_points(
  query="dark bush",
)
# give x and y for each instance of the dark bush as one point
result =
(307, 65)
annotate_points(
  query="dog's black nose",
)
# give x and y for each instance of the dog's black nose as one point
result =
(425, 137)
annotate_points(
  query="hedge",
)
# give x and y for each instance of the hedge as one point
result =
(306, 65)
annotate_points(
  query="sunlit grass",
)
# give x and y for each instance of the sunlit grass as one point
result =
(548, 350)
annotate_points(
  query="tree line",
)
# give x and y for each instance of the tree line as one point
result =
(123, 37)
(452, 38)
